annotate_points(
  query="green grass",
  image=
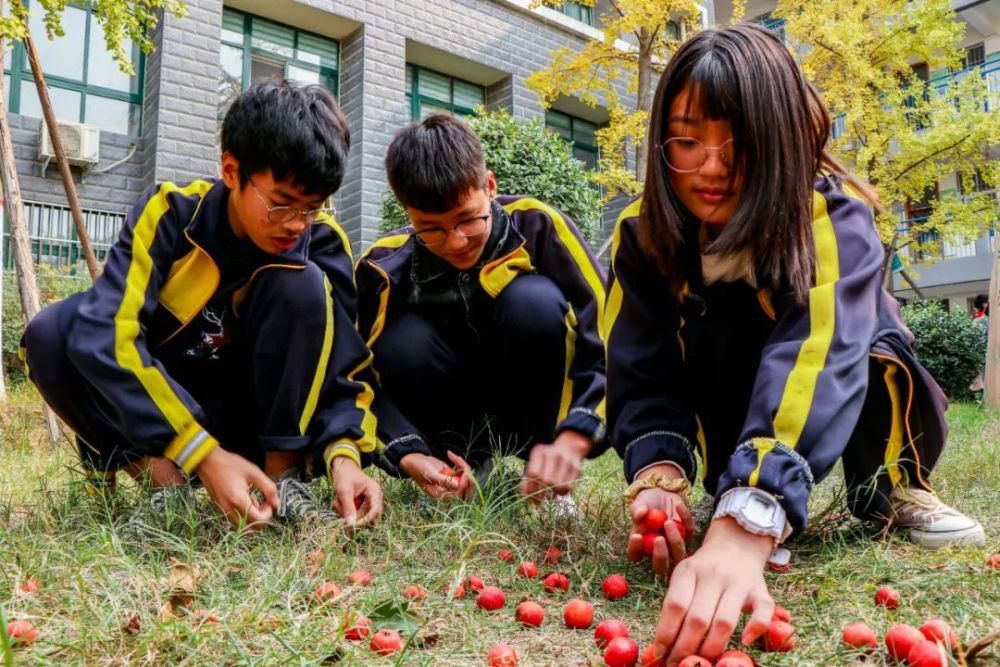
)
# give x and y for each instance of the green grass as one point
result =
(95, 575)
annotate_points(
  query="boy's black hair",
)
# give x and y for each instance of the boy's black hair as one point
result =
(433, 164)
(293, 130)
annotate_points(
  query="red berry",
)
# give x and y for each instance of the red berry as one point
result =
(22, 632)
(205, 615)
(649, 659)
(415, 592)
(927, 654)
(529, 614)
(556, 582)
(938, 630)
(734, 658)
(459, 592)
(615, 587)
(356, 627)
(386, 642)
(648, 540)
(502, 655)
(621, 652)
(859, 635)
(780, 637)
(781, 614)
(359, 578)
(474, 583)
(695, 661)
(552, 555)
(528, 570)
(578, 614)
(886, 597)
(609, 629)
(491, 598)
(654, 520)
(900, 639)
(506, 555)
(326, 591)
(993, 561)
(31, 585)
(315, 559)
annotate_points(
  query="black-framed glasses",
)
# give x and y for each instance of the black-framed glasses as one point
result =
(687, 154)
(470, 227)
(279, 215)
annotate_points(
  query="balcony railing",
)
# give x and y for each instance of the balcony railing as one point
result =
(53, 236)
(988, 70)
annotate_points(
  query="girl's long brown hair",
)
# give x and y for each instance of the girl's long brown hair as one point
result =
(745, 75)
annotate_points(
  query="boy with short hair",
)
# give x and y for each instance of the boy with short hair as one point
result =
(220, 336)
(483, 319)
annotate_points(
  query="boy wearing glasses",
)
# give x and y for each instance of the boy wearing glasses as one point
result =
(219, 340)
(483, 319)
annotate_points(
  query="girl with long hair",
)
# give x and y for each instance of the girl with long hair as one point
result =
(748, 327)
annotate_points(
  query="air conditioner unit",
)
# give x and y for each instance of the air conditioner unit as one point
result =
(81, 142)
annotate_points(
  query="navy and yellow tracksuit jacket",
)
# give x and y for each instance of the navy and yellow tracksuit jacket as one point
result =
(158, 277)
(766, 390)
(541, 240)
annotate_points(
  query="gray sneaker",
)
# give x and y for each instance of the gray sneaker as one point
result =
(163, 507)
(931, 523)
(296, 503)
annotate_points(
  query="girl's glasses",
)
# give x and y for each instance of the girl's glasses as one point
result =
(686, 154)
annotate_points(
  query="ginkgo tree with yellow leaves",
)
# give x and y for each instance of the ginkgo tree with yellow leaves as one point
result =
(903, 134)
(635, 47)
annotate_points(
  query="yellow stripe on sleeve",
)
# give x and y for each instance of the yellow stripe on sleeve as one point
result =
(800, 388)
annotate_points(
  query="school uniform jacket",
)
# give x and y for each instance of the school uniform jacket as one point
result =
(768, 390)
(157, 279)
(541, 240)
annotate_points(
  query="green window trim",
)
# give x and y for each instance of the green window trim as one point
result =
(578, 11)
(251, 27)
(20, 71)
(416, 97)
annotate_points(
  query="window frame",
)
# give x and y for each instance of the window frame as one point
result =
(249, 51)
(573, 141)
(582, 9)
(415, 99)
(20, 71)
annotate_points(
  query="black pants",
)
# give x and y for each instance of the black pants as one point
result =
(253, 392)
(498, 392)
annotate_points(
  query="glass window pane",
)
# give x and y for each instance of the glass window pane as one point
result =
(6, 90)
(262, 69)
(560, 123)
(587, 157)
(317, 50)
(232, 26)
(584, 132)
(64, 55)
(102, 70)
(272, 37)
(409, 79)
(427, 109)
(111, 115)
(303, 75)
(230, 76)
(8, 49)
(434, 85)
(65, 103)
(469, 95)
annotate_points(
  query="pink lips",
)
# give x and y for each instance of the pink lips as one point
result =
(283, 244)
(711, 195)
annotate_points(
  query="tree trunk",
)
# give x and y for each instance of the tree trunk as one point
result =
(993, 342)
(644, 101)
(905, 275)
(60, 151)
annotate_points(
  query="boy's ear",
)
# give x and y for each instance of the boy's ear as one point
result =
(491, 183)
(230, 168)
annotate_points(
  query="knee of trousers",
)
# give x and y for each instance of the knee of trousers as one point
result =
(298, 296)
(45, 343)
(532, 307)
(409, 348)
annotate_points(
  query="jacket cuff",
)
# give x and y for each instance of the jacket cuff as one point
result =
(395, 450)
(776, 468)
(660, 447)
(335, 449)
(590, 425)
(190, 447)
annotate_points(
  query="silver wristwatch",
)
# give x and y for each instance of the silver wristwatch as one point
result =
(757, 511)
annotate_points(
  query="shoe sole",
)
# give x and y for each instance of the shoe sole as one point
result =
(974, 536)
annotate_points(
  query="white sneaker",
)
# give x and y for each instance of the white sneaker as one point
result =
(931, 523)
(563, 507)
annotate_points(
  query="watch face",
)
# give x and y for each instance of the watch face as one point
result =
(759, 511)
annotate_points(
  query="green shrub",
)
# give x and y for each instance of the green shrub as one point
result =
(53, 285)
(949, 345)
(527, 160)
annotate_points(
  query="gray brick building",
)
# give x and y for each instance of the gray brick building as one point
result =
(389, 61)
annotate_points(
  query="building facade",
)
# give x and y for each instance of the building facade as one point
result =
(388, 62)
